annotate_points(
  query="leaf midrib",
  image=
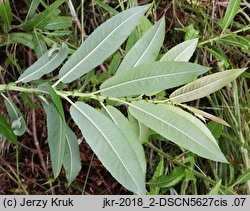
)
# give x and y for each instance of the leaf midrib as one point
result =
(200, 88)
(96, 126)
(156, 33)
(145, 78)
(184, 51)
(90, 53)
(231, 14)
(150, 114)
(42, 67)
(9, 131)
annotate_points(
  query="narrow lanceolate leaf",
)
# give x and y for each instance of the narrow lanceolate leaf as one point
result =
(232, 10)
(40, 46)
(104, 41)
(122, 122)
(57, 23)
(56, 100)
(6, 14)
(110, 145)
(21, 38)
(199, 112)
(181, 52)
(165, 181)
(56, 138)
(151, 78)
(216, 189)
(142, 131)
(243, 177)
(32, 9)
(39, 19)
(6, 131)
(179, 127)
(204, 86)
(146, 49)
(16, 118)
(45, 64)
(72, 159)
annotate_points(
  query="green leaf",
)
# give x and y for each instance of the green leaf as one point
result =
(166, 181)
(146, 49)
(106, 7)
(244, 177)
(181, 52)
(222, 59)
(139, 129)
(40, 46)
(151, 78)
(28, 101)
(21, 38)
(103, 42)
(236, 41)
(56, 23)
(137, 33)
(122, 122)
(114, 64)
(16, 118)
(110, 145)
(6, 131)
(232, 10)
(179, 127)
(72, 159)
(157, 173)
(204, 86)
(44, 65)
(39, 19)
(6, 14)
(32, 8)
(216, 189)
(54, 97)
(56, 138)
(190, 32)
